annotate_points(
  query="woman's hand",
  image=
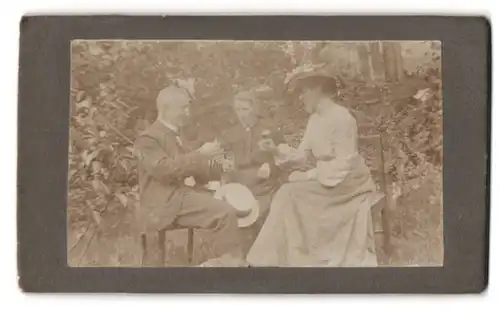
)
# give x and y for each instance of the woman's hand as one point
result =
(268, 145)
(298, 176)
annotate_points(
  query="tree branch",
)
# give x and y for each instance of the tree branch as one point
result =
(80, 237)
(117, 131)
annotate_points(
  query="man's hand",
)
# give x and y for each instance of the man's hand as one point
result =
(227, 165)
(211, 149)
(264, 171)
(298, 176)
(190, 181)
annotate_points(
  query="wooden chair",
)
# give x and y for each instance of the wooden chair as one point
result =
(381, 211)
(162, 236)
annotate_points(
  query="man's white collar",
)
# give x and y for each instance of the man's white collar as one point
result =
(170, 126)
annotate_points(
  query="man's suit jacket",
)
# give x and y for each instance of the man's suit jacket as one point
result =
(163, 164)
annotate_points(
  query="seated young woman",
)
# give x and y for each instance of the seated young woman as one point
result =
(251, 166)
(321, 216)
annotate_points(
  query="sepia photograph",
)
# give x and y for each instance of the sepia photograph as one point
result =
(219, 153)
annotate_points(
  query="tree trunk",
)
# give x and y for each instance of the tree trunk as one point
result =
(393, 61)
(399, 61)
(377, 61)
(364, 57)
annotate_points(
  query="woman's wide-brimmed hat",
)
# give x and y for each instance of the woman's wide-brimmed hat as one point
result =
(308, 75)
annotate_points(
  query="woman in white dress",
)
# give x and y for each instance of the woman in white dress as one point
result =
(322, 216)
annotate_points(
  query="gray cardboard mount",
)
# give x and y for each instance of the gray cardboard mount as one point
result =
(44, 84)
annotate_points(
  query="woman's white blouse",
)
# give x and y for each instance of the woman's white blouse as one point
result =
(331, 136)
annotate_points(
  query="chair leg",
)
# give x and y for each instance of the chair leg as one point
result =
(190, 245)
(386, 227)
(388, 194)
(379, 232)
(161, 246)
(143, 248)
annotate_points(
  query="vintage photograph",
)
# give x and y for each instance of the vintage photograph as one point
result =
(255, 154)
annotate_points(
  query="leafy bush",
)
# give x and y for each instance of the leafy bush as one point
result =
(113, 90)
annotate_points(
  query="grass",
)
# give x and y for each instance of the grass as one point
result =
(418, 241)
(421, 245)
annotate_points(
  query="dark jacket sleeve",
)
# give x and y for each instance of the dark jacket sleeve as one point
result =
(259, 157)
(164, 167)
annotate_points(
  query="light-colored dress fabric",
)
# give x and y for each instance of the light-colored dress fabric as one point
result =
(326, 220)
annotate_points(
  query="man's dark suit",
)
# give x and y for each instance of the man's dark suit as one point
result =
(165, 200)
